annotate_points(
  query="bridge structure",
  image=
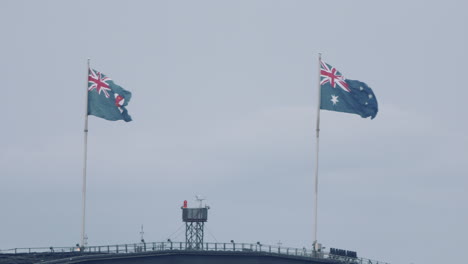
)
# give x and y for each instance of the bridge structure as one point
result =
(176, 252)
(193, 251)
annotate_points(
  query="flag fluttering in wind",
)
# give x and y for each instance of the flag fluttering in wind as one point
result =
(106, 99)
(343, 95)
(336, 93)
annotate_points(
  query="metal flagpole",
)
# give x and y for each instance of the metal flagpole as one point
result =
(317, 153)
(83, 234)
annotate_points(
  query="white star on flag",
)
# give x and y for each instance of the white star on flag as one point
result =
(334, 99)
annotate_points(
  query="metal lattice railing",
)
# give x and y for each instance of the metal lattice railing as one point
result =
(176, 246)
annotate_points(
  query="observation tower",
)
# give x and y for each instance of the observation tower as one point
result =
(194, 219)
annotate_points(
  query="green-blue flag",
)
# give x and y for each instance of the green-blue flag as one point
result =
(106, 99)
(343, 95)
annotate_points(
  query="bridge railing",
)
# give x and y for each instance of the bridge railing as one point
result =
(175, 246)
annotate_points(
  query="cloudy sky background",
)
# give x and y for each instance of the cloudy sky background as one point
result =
(224, 105)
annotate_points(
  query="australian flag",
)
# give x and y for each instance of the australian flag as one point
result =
(343, 95)
(106, 99)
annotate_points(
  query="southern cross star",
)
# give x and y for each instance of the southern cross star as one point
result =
(334, 99)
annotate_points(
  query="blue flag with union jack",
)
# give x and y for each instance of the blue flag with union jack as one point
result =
(106, 99)
(343, 95)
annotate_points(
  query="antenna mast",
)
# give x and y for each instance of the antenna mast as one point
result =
(141, 234)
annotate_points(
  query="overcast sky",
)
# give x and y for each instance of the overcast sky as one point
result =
(224, 105)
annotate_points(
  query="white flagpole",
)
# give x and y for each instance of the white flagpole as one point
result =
(317, 153)
(83, 234)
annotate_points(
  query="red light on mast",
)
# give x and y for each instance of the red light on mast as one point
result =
(185, 204)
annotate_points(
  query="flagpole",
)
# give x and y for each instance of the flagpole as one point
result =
(317, 154)
(83, 234)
